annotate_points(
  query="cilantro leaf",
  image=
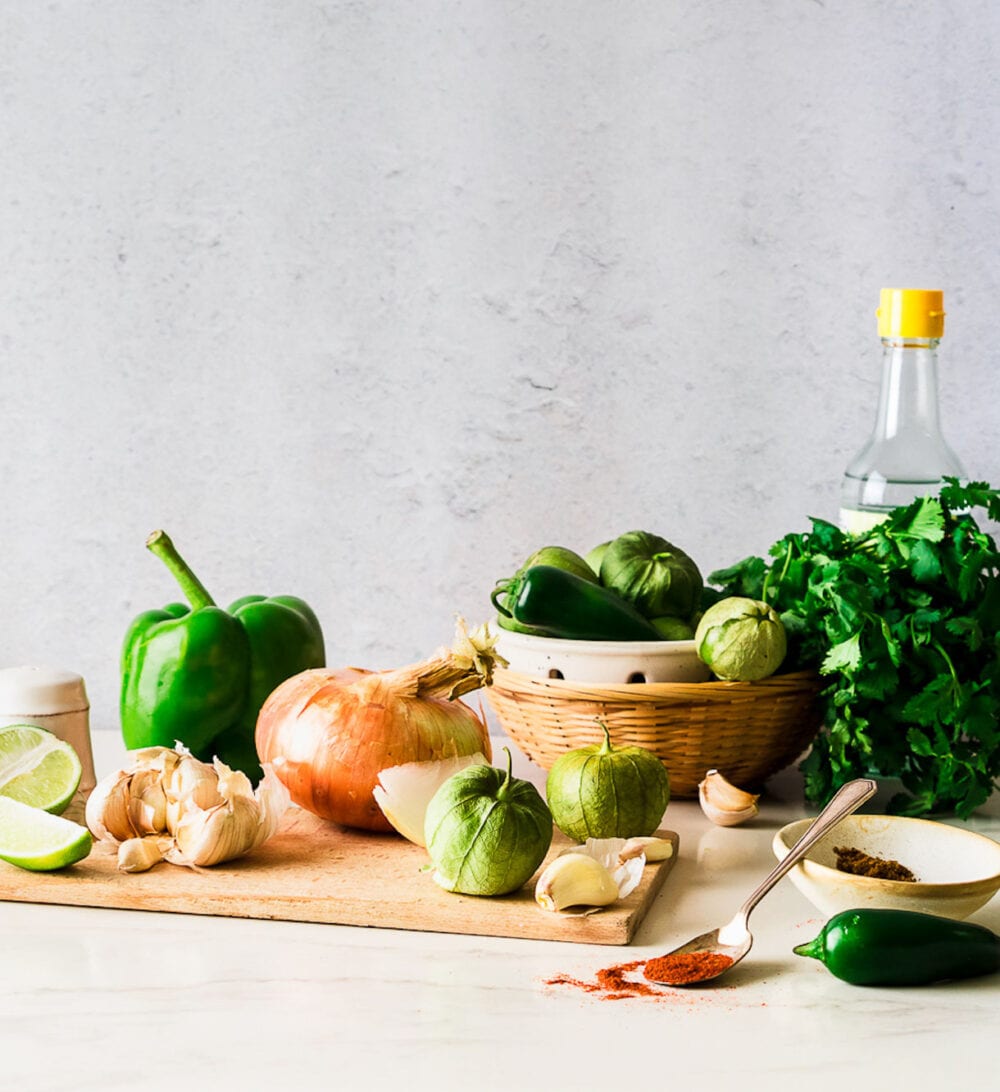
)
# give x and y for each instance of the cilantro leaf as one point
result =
(845, 654)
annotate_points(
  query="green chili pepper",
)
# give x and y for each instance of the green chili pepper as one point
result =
(199, 674)
(902, 948)
(551, 602)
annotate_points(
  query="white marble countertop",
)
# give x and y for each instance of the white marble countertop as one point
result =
(111, 999)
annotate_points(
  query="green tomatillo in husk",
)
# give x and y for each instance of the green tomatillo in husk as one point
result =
(741, 640)
(595, 556)
(602, 791)
(673, 629)
(486, 831)
(559, 557)
(652, 574)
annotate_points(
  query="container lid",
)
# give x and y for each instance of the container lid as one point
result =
(40, 691)
(911, 312)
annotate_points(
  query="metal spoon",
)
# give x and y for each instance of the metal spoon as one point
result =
(733, 940)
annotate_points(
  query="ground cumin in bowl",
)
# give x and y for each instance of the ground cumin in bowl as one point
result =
(897, 863)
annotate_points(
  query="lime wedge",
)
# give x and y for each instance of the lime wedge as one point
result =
(38, 768)
(34, 839)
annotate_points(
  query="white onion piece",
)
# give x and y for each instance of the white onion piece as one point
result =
(403, 792)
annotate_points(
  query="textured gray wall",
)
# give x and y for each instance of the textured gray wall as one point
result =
(364, 300)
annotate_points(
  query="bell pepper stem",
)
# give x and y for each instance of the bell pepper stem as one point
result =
(195, 592)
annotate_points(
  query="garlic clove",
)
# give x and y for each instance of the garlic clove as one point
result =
(189, 783)
(242, 821)
(107, 811)
(140, 854)
(723, 803)
(651, 847)
(205, 838)
(627, 873)
(147, 804)
(272, 799)
(575, 879)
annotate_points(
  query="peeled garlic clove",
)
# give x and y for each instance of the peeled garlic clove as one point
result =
(575, 879)
(724, 803)
(652, 848)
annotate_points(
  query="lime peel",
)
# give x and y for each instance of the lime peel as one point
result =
(38, 841)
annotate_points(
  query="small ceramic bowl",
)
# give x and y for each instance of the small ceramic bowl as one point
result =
(957, 870)
(602, 661)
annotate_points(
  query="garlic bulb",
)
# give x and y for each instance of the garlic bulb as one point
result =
(170, 806)
(724, 803)
(240, 822)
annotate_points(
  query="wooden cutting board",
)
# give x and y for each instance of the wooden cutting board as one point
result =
(316, 871)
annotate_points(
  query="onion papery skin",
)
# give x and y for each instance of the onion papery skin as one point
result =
(329, 733)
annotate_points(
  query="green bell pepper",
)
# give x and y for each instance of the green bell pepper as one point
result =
(198, 674)
(551, 602)
(902, 948)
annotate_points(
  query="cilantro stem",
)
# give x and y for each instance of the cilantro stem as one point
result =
(784, 573)
(947, 659)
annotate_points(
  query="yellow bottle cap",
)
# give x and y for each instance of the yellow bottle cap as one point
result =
(911, 312)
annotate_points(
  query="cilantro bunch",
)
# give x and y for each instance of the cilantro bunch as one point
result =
(902, 623)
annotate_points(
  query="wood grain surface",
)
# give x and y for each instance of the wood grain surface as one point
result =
(315, 871)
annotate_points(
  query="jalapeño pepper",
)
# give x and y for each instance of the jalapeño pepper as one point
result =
(551, 602)
(199, 674)
(902, 948)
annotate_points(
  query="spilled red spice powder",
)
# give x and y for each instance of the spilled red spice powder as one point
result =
(614, 984)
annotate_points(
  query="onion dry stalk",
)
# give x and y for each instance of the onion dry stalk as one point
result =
(329, 733)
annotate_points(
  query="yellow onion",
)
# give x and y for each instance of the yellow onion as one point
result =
(329, 733)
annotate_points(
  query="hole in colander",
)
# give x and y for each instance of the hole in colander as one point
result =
(555, 673)
(636, 677)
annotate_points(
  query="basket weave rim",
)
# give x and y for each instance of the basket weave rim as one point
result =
(793, 682)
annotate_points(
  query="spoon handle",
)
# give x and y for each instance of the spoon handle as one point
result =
(847, 799)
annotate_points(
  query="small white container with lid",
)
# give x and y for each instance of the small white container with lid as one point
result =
(50, 698)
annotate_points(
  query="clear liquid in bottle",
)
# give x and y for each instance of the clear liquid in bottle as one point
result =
(906, 455)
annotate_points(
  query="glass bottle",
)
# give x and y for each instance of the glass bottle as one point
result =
(906, 455)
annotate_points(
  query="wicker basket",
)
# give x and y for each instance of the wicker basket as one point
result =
(748, 731)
